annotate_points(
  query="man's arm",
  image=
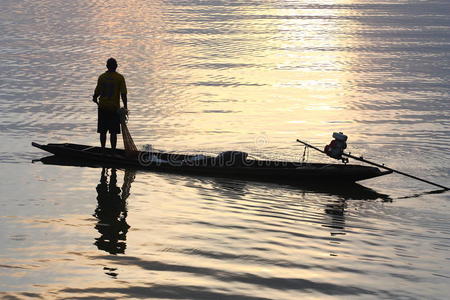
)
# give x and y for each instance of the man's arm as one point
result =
(95, 97)
(96, 92)
(124, 100)
(123, 93)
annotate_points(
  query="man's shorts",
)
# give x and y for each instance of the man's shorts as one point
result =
(108, 121)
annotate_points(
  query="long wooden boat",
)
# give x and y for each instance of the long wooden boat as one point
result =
(232, 164)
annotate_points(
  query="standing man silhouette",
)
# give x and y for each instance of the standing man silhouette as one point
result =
(110, 88)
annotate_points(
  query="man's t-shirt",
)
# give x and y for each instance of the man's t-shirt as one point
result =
(109, 86)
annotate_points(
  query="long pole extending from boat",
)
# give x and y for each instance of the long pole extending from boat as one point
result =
(378, 165)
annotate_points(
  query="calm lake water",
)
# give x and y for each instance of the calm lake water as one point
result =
(213, 75)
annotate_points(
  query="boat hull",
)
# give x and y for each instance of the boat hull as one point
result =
(265, 170)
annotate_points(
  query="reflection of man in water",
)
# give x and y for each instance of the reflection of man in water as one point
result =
(111, 212)
(110, 87)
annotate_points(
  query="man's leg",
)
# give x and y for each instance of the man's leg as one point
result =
(103, 140)
(113, 140)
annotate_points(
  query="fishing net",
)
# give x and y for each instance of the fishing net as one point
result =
(128, 143)
(128, 179)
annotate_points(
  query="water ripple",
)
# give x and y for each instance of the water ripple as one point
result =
(212, 76)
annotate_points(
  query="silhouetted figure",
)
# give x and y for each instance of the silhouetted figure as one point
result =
(110, 88)
(111, 212)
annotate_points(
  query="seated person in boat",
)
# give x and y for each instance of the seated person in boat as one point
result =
(110, 88)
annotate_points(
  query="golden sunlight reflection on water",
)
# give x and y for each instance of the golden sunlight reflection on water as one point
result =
(209, 76)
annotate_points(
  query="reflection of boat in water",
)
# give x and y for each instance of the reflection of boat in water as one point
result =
(348, 191)
(111, 211)
(231, 164)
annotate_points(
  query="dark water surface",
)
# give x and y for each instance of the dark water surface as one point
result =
(219, 75)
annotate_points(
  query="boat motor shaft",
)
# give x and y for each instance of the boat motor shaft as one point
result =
(378, 165)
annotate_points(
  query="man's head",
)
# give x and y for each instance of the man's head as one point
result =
(111, 64)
